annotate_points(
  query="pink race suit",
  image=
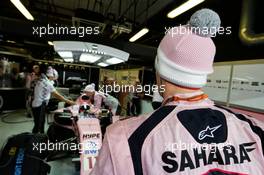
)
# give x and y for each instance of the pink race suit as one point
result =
(184, 137)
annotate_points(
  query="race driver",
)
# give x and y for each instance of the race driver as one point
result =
(188, 134)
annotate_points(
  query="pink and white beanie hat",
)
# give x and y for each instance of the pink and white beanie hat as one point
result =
(185, 57)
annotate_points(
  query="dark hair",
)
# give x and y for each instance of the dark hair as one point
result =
(14, 70)
(43, 68)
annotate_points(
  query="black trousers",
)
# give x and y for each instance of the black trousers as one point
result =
(39, 118)
(136, 106)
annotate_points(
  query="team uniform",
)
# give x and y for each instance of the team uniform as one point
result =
(185, 137)
(188, 134)
(100, 99)
(97, 99)
(42, 94)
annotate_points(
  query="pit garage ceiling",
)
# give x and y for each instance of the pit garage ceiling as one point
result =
(131, 13)
(133, 10)
(134, 14)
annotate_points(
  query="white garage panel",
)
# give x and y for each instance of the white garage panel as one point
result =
(217, 83)
(248, 86)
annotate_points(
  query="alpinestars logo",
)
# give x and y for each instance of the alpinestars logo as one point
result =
(208, 132)
(197, 157)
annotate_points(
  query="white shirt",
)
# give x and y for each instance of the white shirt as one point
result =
(42, 91)
(157, 97)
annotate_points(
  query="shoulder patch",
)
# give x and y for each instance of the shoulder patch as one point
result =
(205, 125)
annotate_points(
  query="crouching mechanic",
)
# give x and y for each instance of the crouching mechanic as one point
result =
(189, 134)
(98, 99)
(42, 92)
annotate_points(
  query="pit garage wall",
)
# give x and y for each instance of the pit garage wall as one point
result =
(238, 85)
(122, 77)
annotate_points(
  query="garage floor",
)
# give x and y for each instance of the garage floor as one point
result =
(15, 123)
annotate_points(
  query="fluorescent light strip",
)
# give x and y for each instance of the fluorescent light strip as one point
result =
(10, 41)
(114, 61)
(139, 34)
(50, 43)
(183, 8)
(103, 64)
(89, 58)
(67, 54)
(68, 59)
(22, 9)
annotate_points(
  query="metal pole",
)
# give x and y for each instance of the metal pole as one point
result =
(63, 78)
(230, 85)
(89, 78)
(142, 76)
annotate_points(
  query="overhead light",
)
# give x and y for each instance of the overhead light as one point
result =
(10, 41)
(22, 9)
(103, 64)
(139, 34)
(86, 47)
(114, 61)
(68, 60)
(50, 43)
(183, 8)
(89, 58)
(65, 54)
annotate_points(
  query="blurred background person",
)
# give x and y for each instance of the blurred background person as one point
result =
(1, 75)
(31, 80)
(53, 74)
(112, 99)
(109, 84)
(96, 98)
(136, 97)
(5, 77)
(15, 79)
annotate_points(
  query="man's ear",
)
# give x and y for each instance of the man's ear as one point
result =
(158, 79)
(160, 82)
(163, 83)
